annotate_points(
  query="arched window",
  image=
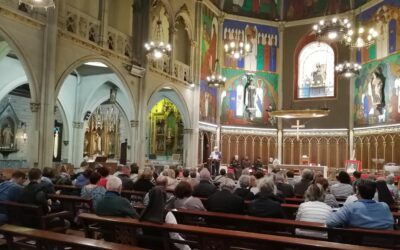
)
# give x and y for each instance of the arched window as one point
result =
(316, 78)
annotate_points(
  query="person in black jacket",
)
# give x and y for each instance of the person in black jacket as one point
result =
(127, 183)
(225, 201)
(35, 193)
(205, 188)
(284, 189)
(266, 204)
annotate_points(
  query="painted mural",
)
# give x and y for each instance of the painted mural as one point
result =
(209, 39)
(292, 9)
(252, 85)
(377, 89)
(263, 9)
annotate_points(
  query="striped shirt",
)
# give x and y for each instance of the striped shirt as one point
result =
(313, 211)
(341, 190)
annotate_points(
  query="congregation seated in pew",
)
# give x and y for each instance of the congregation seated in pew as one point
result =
(224, 200)
(92, 190)
(10, 191)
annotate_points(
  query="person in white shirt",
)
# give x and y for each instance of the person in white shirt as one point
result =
(215, 158)
(314, 209)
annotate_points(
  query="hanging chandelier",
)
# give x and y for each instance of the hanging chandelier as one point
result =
(157, 49)
(216, 80)
(333, 29)
(348, 69)
(362, 38)
(38, 3)
(236, 49)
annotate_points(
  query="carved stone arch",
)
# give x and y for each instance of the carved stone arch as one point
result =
(25, 62)
(184, 13)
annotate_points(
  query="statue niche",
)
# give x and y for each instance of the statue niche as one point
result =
(102, 135)
(166, 130)
(9, 125)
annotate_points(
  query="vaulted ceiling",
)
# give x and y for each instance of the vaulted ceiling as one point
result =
(288, 10)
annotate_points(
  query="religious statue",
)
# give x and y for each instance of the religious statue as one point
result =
(7, 136)
(250, 95)
(377, 83)
(98, 142)
(318, 75)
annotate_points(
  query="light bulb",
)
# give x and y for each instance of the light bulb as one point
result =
(157, 54)
(332, 35)
(232, 44)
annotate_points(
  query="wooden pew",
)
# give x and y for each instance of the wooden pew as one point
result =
(31, 215)
(294, 200)
(132, 195)
(124, 230)
(244, 222)
(72, 203)
(367, 237)
(51, 240)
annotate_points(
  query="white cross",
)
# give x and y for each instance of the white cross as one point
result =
(297, 126)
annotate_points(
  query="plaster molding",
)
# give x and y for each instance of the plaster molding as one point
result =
(20, 17)
(208, 127)
(34, 107)
(92, 46)
(169, 78)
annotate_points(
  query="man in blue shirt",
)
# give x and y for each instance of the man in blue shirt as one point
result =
(11, 190)
(365, 212)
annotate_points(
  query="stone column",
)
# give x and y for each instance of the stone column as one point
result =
(46, 114)
(133, 152)
(172, 32)
(103, 17)
(189, 155)
(77, 146)
(280, 100)
(33, 133)
(140, 32)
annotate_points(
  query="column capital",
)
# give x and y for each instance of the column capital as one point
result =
(77, 124)
(34, 106)
(188, 131)
(134, 123)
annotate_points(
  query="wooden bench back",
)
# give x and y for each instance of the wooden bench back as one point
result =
(124, 230)
(23, 214)
(73, 203)
(51, 240)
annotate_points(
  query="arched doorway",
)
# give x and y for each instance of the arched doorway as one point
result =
(169, 98)
(16, 117)
(98, 109)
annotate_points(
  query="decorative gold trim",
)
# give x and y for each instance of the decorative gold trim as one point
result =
(299, 114)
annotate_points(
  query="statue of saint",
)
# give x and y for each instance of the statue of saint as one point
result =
(250, 95)
(98, 143)
(7, 136)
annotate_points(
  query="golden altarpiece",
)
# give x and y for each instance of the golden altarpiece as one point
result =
(102, 135)
(166, 129)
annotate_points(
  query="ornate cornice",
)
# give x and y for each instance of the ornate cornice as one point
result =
(375, 131)
(248, 131)
(34, 106)
(208, 127)
(313, 133)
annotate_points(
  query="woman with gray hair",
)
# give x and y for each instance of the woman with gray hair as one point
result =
(314, 209)
(266, 204)
(244, 188)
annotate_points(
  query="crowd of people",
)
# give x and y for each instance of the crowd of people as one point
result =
(367, 204)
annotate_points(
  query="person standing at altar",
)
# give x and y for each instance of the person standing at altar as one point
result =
(215, 158)
(258, 165)
(237, 166)
(246, 163)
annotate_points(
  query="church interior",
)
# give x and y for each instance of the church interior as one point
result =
(161, 91)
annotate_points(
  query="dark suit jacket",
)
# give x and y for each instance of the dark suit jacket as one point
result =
(225, 201)
(301, 186)
(266, 206)
(285, 190)
(204, 189)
